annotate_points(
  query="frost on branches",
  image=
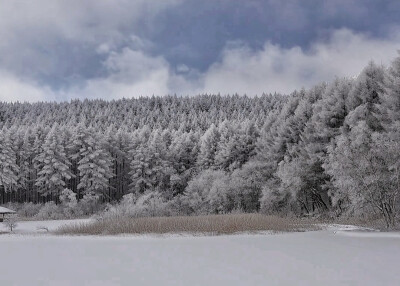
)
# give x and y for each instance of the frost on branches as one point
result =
(332, 150)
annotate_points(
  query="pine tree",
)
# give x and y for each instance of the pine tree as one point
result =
(140, 171)
(182, 156)
(55, 170)
(390, 108)
(93, 162)
(27, 172)
(208, 148)
(39, 138)
(225, 156)
(8, 167)
(365, 97)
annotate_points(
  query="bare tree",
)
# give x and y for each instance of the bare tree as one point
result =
(11, 222)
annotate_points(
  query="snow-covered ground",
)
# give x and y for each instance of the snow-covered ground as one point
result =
(36, 227)
(335, 256)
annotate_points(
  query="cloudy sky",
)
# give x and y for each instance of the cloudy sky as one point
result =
(65, 49)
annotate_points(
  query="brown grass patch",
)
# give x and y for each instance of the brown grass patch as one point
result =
(211, 224)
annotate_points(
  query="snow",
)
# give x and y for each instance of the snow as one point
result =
(369, 234)
(325, 257)
(5, 210)
(33, 227)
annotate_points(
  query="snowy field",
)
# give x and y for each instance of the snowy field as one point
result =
(40, 227)
(330, 257)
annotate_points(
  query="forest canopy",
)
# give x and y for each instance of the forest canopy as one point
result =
(333, 150)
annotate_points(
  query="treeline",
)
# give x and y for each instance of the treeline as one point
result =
(170, 112)
(332, 150)
(114, 148)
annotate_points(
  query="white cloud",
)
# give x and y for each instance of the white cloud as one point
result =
(283, 70)
(13, 89)
(47, 39)
(182, 68)
(77, 49)
(133, 73)
(243, 70)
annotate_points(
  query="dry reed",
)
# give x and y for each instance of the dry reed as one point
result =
(210, 224)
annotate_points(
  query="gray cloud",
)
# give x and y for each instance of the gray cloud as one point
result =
(58, 50)
(241, 70)
(53, 42)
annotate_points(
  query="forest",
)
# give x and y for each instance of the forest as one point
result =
(332, 150)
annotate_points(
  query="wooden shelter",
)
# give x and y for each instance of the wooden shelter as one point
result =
(5, 211)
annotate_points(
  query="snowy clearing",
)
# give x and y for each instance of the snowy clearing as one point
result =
(329, 257)
(33, 227)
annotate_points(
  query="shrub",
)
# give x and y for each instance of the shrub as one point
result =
(150, 204)
(68, 198)
(50, 211)
(25, 209)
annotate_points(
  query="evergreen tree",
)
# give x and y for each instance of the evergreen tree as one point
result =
(55, 170)
(208, 148)
(93, 162)
(8, 167)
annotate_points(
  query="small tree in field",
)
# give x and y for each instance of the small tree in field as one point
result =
(11, 222)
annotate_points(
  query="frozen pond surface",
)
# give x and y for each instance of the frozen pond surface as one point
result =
(329, 257)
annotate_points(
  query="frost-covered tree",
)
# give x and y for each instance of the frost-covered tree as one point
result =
(208, 148)
(117, 143)
(68, 198)
(8, 167)
(203, 193)
(365, 98)
(54, 164)
(93, 162)
(140, 172)
(324, 150)
(11, 222)
(246, 184)
(27, 171)
(364, 167)
(236, 145)
(359, 160)
(183, 153)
